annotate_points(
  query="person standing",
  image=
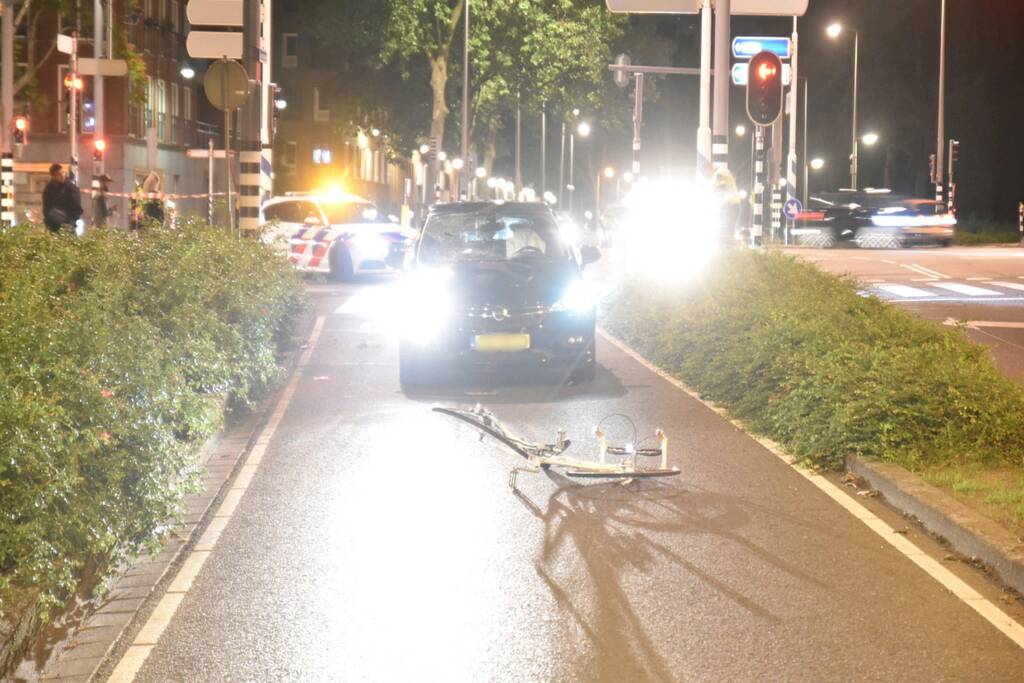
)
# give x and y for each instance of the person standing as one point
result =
(154, 206)
(62, 202)
(100, 209)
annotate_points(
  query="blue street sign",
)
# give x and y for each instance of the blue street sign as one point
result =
(793, 209)
(741, 74)
(747, 47)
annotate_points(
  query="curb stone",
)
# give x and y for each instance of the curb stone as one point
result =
(86, 654)
(968, 532)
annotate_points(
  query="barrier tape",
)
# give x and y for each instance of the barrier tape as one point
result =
(158, 195)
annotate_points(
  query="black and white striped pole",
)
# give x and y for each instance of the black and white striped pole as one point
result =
(722, 84)
(1020, 222)
(758, 190)
(7, 190)
(776, 208)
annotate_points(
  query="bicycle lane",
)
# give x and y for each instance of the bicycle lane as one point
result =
(379, 541)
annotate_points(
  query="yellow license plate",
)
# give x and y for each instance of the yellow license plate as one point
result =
(496, 343)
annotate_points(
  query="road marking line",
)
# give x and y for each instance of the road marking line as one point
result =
(130, 664)
(924, 279)
(135, 657)
(905, 291)
(978, 324)
(969, 290)
(189, 571)
(950, 581)
(929, 271)
(1002, 299)
(1009, 285)
(979, 279)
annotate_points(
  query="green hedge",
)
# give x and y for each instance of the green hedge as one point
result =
(801, 357)
(117, 354)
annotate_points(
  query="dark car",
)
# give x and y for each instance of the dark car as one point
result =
(496, 286)
(873, 219)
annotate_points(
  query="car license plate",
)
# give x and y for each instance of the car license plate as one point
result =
(497, 343)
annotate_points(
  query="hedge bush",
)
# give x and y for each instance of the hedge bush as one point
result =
(802, 358)
(117, 354)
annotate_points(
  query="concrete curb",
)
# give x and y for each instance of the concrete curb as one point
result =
(968, 532)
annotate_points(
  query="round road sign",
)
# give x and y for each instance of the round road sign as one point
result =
(622, 78)
(226, 84)
(793, 208)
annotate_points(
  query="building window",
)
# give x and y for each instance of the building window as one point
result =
(186, 104)
(161, 110)
(162, 10)
(149, 8)
(176, 15)
(290, 153)
(290, 50)
(319, 115)
(175, 116)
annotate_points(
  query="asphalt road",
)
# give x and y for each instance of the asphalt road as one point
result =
(378, 541)
(982, 285)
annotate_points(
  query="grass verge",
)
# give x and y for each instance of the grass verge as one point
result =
(799, 356)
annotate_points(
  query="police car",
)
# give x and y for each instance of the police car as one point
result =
(336, 234)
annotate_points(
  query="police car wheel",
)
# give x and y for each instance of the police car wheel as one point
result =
(341, 263)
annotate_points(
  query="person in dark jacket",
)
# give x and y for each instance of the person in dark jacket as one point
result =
(62, 202)
(101, 211)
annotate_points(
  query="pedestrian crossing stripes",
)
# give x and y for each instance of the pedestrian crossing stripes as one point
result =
(947, 291)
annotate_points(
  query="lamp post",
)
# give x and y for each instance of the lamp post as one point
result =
(583, 129)
(834, 31)
(940, 150)
(815, 164)
(465, 94)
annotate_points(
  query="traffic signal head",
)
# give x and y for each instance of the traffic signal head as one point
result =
(764, 89)
(20, 129)
(73, 82)
(99, 146)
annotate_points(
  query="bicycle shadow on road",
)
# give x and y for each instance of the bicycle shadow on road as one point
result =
(615, 532)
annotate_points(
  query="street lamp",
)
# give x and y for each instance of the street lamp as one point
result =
(609, 172)
(817, 163)
(870, 139)
(457, 164)
(741, 130)
(583, 129)
(834, 31)
(187, 72)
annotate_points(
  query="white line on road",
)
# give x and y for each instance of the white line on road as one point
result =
(979, 279)
(969, 290)
(950, 581)
(906, 292)
(1009, 285)
(921, 270)
(978, 324)
(136, 655)
(929, 271)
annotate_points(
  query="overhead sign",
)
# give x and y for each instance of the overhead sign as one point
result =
(87, 66)
(747, 47)
(214, 45)
(741, 74)
(216, 13)
(781, 8)
(205, 154)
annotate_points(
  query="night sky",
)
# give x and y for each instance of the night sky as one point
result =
(898, 97)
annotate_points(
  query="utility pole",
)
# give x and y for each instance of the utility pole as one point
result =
(465, 99)
(806, 174)
(543, 152)
(794, 105)
(97, 89)
(519, 149)
(561, 167)
(638, 121)
(7, 76)
(73, 108)
(856, 68)
(723, 82)
(940, 148)
(704, 131)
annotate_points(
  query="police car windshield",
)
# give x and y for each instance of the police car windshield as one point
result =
(490, 236)
(342, 213)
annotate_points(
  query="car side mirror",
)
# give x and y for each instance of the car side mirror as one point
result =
(589, 254)
(312, 221)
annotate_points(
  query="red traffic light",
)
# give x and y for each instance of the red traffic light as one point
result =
(764, 89)
(21, 123)
(100, 145)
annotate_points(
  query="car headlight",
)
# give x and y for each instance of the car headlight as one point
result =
(426, 305)
(576, 299)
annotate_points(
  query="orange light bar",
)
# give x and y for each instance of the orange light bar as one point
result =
(766, 71)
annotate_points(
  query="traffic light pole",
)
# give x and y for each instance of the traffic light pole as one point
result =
(97, 88)
(73, 108)
(940, 149)
(758, 190)
(704, 145)
(7, 77)
(723, 82)
(794, 106)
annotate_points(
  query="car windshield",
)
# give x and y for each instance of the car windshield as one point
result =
(489, 235)
(352, 212)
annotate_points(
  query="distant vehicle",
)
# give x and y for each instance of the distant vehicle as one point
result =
(337, 234)
(873, 219)
(494, 286)
(611, 225)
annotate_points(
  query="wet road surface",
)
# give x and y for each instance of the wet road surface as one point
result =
(378, 541)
